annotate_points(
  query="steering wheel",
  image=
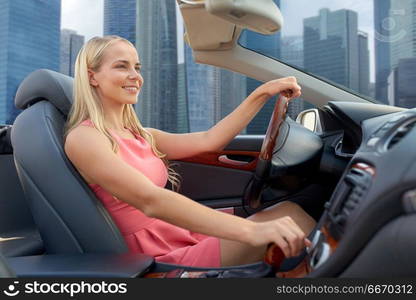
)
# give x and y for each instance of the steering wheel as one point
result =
(252, 195)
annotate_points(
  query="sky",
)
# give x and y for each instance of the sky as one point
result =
(86, 17)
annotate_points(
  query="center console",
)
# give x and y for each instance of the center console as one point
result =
(347, 196)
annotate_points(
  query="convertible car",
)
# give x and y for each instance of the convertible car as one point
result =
(348, 163)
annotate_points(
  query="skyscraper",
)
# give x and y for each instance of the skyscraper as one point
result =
(71, 43)
(212, 93)
(403, 40)
(292, 54)
(364, 64)
(232, 91)
(30, 30)
(157, 46)
(382, 48)
(183, 114)
(401, 84)
(270, 46)
(120, 19)
(292, 50)
(331, 46)
(202, 93)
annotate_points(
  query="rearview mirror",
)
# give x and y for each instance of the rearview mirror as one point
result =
(310, 120)
(262, 16)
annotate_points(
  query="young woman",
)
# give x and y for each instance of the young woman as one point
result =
(126, 166)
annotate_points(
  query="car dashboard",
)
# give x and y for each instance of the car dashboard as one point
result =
(375, 190)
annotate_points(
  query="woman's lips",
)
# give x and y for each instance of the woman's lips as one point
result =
(131, 89)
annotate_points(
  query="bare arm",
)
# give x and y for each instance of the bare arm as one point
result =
(91, 153)
(224, 131)
(177, 146)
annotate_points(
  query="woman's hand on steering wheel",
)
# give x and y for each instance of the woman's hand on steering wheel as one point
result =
(287, 86)
(288, 89)
(283, 232)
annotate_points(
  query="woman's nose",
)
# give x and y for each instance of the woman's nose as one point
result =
(133, 74)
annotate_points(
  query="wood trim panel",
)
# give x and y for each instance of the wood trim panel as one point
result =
(212, 159)
(333, 244)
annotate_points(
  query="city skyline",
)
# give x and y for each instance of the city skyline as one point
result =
(93, 16)
(365, 22)
(344, 58)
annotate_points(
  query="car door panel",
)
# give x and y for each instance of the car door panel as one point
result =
(218, 179)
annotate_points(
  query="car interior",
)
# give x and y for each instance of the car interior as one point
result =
(348, 163)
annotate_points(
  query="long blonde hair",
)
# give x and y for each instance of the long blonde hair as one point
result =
(87, 104)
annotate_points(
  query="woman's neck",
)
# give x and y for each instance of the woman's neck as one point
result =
(114, 121)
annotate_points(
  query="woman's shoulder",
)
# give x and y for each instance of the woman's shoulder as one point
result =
(82, 129)
(85, 146)
(85, 135)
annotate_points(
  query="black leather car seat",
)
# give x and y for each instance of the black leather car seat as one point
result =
(68, 215)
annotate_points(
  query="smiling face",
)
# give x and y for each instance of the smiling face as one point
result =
(118, 79)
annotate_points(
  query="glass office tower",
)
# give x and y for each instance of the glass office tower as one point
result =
(120, 19)
(29, 35)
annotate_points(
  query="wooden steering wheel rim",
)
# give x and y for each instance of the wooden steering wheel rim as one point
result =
(276, 121)
(252, 195)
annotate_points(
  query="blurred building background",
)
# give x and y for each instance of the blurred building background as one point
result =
(292, 54)
(331, 46)
(270, 46)
(382, 48)
(402, 43)
(180, 95)
(363, 64)
(401, 84)
(156, 42)
(71, 43)
(29, 34)
(120, 19)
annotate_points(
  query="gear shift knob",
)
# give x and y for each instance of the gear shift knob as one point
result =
(274, 256)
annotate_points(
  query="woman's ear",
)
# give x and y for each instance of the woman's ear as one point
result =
(91, 78)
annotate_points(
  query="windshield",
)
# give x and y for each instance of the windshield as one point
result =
(363, 46)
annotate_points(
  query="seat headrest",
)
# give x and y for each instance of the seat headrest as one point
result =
(48, 85)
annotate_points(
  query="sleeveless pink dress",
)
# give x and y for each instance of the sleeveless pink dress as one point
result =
(166, 242)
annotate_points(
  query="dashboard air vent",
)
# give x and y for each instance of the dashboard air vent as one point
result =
(400, 133)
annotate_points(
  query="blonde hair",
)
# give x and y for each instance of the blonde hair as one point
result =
(87, 104)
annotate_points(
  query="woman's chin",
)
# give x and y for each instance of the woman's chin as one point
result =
(130, 100)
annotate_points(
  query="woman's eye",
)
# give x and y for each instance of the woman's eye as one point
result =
(120, 66)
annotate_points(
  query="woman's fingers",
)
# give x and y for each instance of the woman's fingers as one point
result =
(283, 245)
(287, 93)
(293, 235)
(283, 232)
(300, 235)
(287, 86)
(291, 90)
(295, 242)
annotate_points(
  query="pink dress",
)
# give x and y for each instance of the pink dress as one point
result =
(166, 242)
